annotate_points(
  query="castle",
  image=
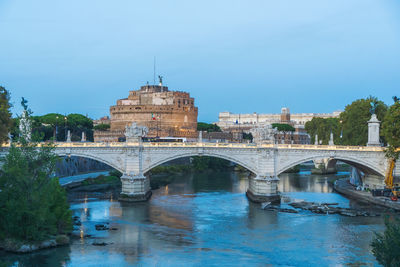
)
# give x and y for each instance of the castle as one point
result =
(163, 112)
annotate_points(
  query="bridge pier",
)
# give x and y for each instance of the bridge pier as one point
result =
(135, 188)
(324, 166)
(263, 189)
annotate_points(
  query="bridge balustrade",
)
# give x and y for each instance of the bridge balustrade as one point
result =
(208, 144)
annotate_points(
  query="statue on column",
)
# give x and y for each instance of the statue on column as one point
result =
(134, 133)
(25, 126)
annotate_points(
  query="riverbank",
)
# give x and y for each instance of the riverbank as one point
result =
(344, 187)
(17, 246)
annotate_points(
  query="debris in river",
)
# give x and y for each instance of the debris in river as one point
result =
(101, 227)
(265, 204)
(99, 243)
(325, 208)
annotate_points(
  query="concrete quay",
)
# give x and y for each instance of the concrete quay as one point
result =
(344, 187)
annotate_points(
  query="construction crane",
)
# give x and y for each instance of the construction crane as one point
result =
(389, 179)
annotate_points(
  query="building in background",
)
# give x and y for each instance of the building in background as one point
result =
(102, 120)
(163, 112)
(239, 123)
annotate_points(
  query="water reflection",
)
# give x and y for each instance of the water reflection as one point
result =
(205, 219)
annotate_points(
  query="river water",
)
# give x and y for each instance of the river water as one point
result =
(205, 219)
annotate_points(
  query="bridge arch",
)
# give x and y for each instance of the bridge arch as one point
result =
(94, 157)
(360, 164)
(193, 154)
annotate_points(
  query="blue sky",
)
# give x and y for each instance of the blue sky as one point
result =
(241, 56)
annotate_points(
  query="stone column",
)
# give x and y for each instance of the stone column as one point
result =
(331, 143)
(135, 185)
(263, 189)
(373, 131)
(83, 139)
(69, 136)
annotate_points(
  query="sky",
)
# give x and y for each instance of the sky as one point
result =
(240, 56)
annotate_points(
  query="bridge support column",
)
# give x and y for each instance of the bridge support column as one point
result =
(263, 189)
(135, 188)
(324, 166)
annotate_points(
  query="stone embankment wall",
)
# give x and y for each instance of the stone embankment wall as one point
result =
(69, 166)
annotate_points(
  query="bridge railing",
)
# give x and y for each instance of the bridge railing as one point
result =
(206, 144)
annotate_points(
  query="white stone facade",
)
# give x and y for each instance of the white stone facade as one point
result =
(228, 119)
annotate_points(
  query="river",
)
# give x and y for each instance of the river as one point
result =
(205, 219)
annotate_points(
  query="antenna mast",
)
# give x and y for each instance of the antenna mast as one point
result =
(154, 71)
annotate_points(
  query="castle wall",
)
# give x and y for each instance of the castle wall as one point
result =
(163, 112)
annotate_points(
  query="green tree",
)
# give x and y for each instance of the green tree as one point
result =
(203, 126)
(391, 129)
(355, 120)
(33, 205)
(78, 123)
(323, 128)
(247, 136)
(391, 125)
(386, 246)
(102, 127)
(283, 127)
(48, 125)
(6, 122)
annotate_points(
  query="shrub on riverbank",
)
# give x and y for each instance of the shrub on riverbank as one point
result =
(197, 164)
(204, 163)
(169, 169)
(33, 205)
(386, 246)
(102, 179)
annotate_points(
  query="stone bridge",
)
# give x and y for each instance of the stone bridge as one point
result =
(266, 161)
(134, 160)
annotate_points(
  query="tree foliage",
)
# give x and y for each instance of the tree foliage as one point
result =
(386, 246)
(102, 127)
(283, 127)
(78, 123)
(355, 120)
(33, 205)
(205, 162)
(391, 125)
(55, 124)
(323, 128)
(247, 136)
(203, 126)
(5, 115)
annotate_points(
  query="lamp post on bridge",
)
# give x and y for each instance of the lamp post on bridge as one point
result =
(65, 127)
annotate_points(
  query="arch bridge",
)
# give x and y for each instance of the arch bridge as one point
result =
(266, 161)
